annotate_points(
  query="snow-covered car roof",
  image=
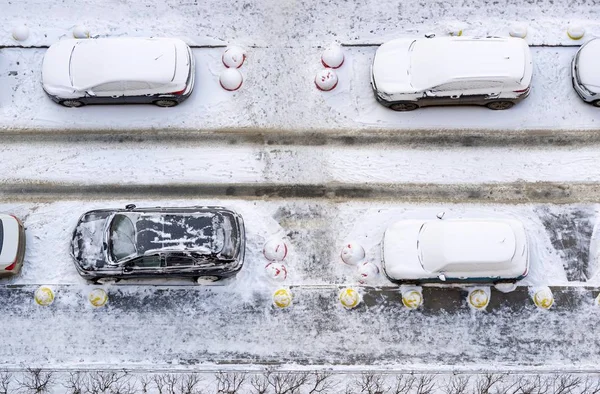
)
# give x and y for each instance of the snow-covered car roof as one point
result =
(459, 246)
(439, 60)
(463, 250)
(98, 61)
(588, 62)
(202, 232)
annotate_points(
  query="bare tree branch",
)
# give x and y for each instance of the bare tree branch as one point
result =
(229, 382)
(457, 385)
(35, 381)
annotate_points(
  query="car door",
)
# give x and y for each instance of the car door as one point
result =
(445, 94)
(145, 266)
(481, 92)
(107, 93)
(180, 264)
(138, 92)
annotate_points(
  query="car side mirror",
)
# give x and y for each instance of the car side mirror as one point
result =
(128, 267)
(90, 93)
(429, 93)
(442, 277)
(440, 215)
(129, 207)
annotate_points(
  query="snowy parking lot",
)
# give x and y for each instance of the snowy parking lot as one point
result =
(316, 170)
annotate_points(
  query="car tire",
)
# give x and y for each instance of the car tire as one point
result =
(500, 105)
(596, 103)
(71, 103)
(165, 103)
(403, 106)
(202, 280)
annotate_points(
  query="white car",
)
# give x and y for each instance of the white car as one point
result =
(159, 71)
(12, 245)
(584, 72)
(455, 251)
(409, 73)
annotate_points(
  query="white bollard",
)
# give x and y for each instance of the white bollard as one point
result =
(326, 80)
(542, 297)
(81, 31)
(366, 272)
(231, 79)
(276, 271)
(233, 57)
(275, 249)
(20, 33)
(98, 297)
(575, 32)
(479, 298)
(333, 56)
(352, 253)
(282, 298)
(44, 296)
(349, 298)
(412, 296)
(518, 30)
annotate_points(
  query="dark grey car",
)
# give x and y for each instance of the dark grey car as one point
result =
(203, 243)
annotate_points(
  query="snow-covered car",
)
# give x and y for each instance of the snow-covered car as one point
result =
(118, 71)
(12, 245)
(585, 74)
(455, 251)
(409, 73)
(204, 243)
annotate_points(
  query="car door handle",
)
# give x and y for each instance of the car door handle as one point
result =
(455, 96)
(115, 96)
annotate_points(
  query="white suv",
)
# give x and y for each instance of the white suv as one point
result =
(409, 73)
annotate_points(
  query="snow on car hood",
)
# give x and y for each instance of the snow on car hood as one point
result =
(391, 67)
(55, 68)
(588, 64)
(87, 245)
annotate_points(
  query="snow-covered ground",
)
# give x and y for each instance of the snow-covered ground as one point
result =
(296, 23)
(279, 93)
(155, 163)
(175, 325)
(316, 232)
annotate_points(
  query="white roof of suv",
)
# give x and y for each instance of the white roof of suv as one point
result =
(436, 61)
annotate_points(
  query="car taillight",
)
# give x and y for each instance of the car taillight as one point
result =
(521, 91)
(179, 92)
(11, 267)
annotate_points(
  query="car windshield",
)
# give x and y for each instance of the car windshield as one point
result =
(122, 238)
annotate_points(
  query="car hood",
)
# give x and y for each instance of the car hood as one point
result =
(391, 67)
(87, 246)
(400, 259)
(55, 68)
(587, 65)
(10, 240)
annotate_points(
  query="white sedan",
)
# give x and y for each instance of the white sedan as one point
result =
(455, 251)
(12, 245)
(158, 71)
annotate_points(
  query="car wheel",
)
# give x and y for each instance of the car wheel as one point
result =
(202, 280)
(500, 105)
(166, 103)
(107, 281)
(404, 106)
(596, 103)
(71, 103)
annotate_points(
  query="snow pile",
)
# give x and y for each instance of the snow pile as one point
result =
(234, 57)
(231, 79)
(20, 33)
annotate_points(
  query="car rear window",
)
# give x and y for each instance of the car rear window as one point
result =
(1, 235)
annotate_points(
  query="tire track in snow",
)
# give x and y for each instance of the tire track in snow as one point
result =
(507, 193)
